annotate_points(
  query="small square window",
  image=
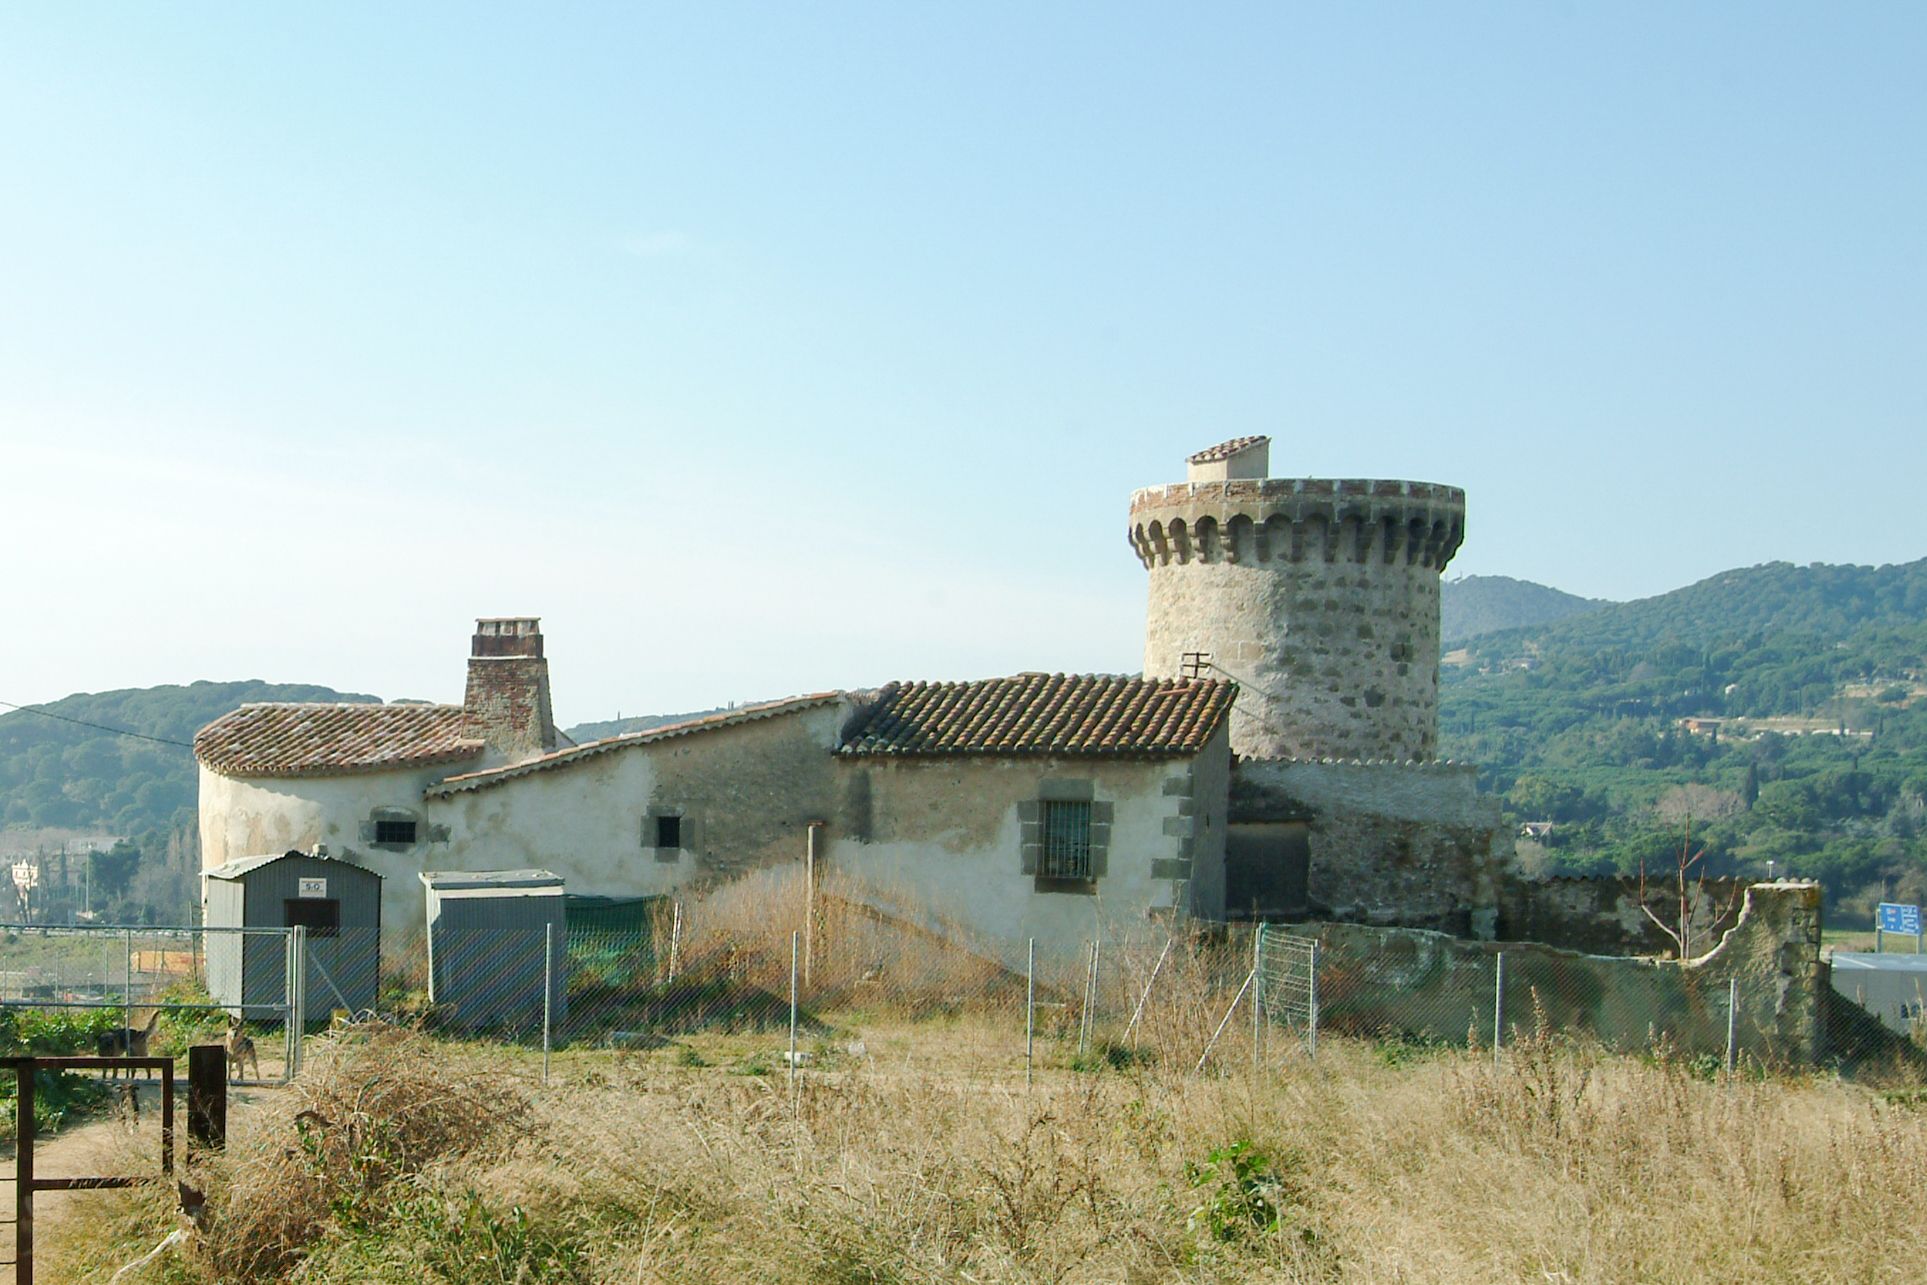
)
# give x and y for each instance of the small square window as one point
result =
(397, 832)
(669, 832)
(320, 916)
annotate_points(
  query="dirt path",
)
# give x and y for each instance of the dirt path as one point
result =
(117, 1145)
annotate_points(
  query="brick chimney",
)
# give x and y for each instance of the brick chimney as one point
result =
(507, 702)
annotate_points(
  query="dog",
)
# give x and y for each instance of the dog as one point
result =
(240, 1050)
(126, 1041)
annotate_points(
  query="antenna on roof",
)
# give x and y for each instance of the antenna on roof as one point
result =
(1194, 663)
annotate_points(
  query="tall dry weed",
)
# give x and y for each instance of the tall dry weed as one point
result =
(376, 1107)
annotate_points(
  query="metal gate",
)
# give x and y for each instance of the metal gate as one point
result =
(27, 1182)
(1286, 980)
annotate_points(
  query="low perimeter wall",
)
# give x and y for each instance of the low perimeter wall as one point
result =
(1378, 981)
(1601, 915)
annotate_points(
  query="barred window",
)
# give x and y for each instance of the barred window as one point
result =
(400, 832)
(1067, 841)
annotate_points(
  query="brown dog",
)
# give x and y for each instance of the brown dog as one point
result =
(127, 1041)
(240, 1050)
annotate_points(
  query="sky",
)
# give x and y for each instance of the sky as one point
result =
(765, 349)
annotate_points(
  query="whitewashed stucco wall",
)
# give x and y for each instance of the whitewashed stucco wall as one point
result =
(940, 833)
(254, 816)
(944, 833)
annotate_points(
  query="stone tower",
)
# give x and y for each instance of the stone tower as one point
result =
(1320, 597)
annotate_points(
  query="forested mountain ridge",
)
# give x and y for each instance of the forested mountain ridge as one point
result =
(1474, 605)
(1781, 709)
(1806, 688)
(62, 773)
(1771, 598)
(582, 733)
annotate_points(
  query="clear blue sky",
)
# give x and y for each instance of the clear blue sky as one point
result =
(770, 348)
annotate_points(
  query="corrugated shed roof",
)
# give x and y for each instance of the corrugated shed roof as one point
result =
(1225, 450)
(456, 880)
(590, 749)
(1068, 714)
(242, 865)
(287, 739)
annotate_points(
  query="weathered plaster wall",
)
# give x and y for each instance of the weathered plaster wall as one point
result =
(947, 832)
(1320, 597)
(1408, 844)
(1210, 800)
(1378, 980)
(244, 817)
(1602, 916)
(745, 795)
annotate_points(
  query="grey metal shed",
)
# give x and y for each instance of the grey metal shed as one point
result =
(338, 902)
(494, 936)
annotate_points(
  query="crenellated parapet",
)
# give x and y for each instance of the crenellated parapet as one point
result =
(1291, 520)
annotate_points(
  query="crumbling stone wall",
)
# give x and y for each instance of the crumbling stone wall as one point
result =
(1600, 914)
(1406, 844)
(1375, 981)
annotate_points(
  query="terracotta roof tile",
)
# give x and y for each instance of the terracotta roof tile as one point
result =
(590, 749)
(1066, 714)
(1225, 450)
(323, 740)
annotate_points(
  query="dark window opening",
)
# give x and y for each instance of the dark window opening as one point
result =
(669, 832)
(401, 832)
(1067, 841)
(320, 916)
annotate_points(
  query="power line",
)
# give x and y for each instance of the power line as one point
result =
(98, 727)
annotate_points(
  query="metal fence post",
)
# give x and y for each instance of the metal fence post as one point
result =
(1732, 1022)
(1498, 1006)
(300, 994)
(675, 935)
(1138, 1012)
(1311, 1002)
(288, 1051)
(548, 989)
(1090, 996)
(795, 941)
(1030, 1006)
(1257, 992)
(130, 979)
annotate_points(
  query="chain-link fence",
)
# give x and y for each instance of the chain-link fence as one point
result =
(153, 991)
(735, 982)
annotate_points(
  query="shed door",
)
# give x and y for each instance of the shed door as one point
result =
(1266, 865)
(323, 991)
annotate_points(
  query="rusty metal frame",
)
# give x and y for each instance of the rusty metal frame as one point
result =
(26, 1182)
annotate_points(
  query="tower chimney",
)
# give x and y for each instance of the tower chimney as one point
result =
(507, 701)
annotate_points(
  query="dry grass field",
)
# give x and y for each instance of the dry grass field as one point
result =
(423, 1161)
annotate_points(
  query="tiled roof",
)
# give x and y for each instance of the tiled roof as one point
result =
(1066, 714)
(590, 749)
(323, 740)
(1225, 450)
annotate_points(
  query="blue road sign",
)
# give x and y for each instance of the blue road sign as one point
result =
(1891, 917)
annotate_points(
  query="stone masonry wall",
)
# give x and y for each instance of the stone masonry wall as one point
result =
(1407, 844)
(1378, 981)
(1321, 598)
(1602, 915)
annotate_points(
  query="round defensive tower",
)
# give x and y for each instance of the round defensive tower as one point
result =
(1319, 596)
